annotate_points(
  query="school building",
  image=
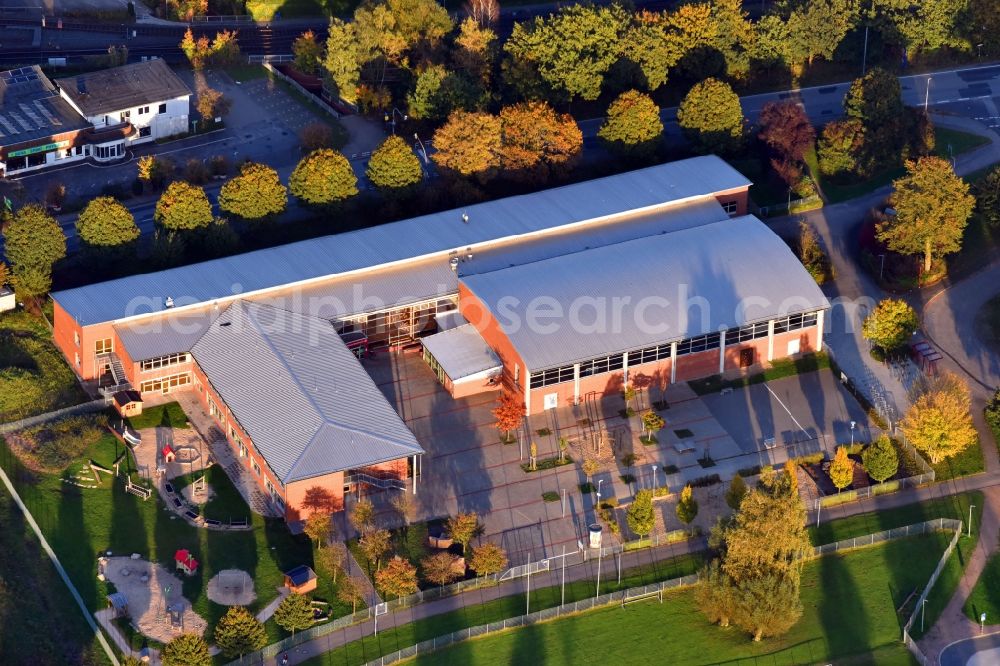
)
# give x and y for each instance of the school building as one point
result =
(658, 273)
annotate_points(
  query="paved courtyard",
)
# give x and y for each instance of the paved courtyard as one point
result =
(467, 468)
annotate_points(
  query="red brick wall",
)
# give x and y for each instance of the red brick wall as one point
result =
(295, 494)
(739, 195)
(479, 316)
(63, 327)
(697, 365)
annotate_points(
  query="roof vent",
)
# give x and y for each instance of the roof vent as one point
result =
(226, 323)
(169, 302)
(453, 262)
(468, 254)
(465, 218)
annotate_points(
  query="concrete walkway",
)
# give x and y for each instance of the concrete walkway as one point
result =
(267, 611)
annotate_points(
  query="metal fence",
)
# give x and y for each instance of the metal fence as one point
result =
(547, 614)
(911, 645)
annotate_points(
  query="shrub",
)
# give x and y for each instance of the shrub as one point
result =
(705, 481)
(53, 445)
(550, 496)
(627, 478)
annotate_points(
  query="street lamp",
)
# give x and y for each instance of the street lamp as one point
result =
(654, 477)
(390, 117)
(599, 482)
(980, 47)
(923, 611)
(969, 532)
(422, 149)
(881, 267)
(927, 92)
(853, 425)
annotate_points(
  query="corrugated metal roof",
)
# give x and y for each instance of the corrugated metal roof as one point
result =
(171, 334)
(646, 291)
(461, 352)
(299, 393)
(626, 193)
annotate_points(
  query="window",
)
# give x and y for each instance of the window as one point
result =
(235, 436)
(109, 152)
(103, 346)
(124, 115)
(143, 110)
(76, 359)
(165, 384)
(145, 131)
(269, 486)
(730, 207)
(748, 332)
(163, 108)
(552, 376)
(164, 361)
(648, 355)
(795, 322)
(256, 467)
(76, 338)
(698, 343)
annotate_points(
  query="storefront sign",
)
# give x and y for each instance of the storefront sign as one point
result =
(39, 149)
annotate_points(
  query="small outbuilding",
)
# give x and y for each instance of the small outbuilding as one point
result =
(301, 579)
(128, 403)
(184, 561)
(168, 454)
(119, 603)
(7, 299)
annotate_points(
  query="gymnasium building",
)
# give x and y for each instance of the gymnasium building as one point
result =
(657, 275)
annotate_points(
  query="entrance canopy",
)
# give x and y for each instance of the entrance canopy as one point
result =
(462, 353)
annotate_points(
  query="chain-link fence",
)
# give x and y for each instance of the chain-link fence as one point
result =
(948, 523)
(935, 525)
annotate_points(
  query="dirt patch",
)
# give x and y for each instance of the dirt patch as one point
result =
(155, 603)
(198, 493)
(232, 587)
(51, 446)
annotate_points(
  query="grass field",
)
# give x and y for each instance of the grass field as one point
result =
(81, 523)
(41, 624)
(985, 597)
(34, 377)
(849, 601)
(969, 461)
(960, 142)
(169, 414)
(780, 369)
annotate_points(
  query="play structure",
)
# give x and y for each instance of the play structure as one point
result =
(135, 489)
(301, 579)
(122, 431)
(231, 587)
(184, 561)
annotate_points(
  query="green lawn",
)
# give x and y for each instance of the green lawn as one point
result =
(953, 506)
(169, 414)
(226, 502)
(961, 142)
(81, 523)
(985, 595)
(780, 369)
(41, 622)
(474, 613)
(264, 10)
(969, 461)
(34, 376)
(849, 601)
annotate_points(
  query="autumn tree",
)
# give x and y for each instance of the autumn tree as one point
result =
(489, 558)
(33, 243)
(343, 59)
(469, 144)
(362, 517)
(840, 144)
(212, 103)
(715, 594)
(323, 177)
(537, 142)
(397, 579)
(317, 527)
(308, 52)
(331, 559)
(932, 205)
(195, 50)
(633, 126)
(315, 136)
(475, 50)
(570, 51)
(294, 613)
(255, 194)
(105, 222)
(875, 101)
(766, 535)
(509, 414)
(590, 468)
(987, 193)
(841, 469)
(640, 515)
(349, 592)
(767, 605)
(736, 492)
(687, 506)
(182, 206)
(239, 632)
(817, 27)
(374, 544)
(440, 568)
(939, 421)
(652, 423)
(4, 274)
(438, 91)
(650, 48)
(393, 166)
(463, 528)
(154, 171)
(787, 132)
(186, 650)
(880, 459)
(890, 324)
(711, 117)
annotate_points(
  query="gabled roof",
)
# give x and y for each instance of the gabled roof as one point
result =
(250, 275)
(646, 292)
(125, 87)
(299, 394)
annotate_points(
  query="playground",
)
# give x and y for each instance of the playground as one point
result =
(156, 605)
(232, 587)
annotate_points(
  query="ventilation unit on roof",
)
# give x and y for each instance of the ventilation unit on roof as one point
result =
(169, 302)
(468, 254)
(453, 262)
(465, 218)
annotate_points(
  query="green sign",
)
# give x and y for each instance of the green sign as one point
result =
(38, 149)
